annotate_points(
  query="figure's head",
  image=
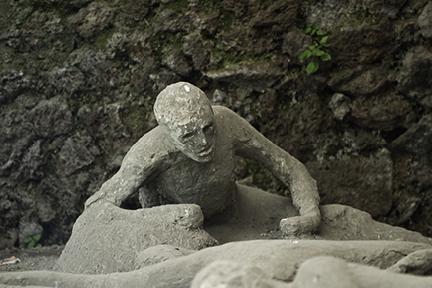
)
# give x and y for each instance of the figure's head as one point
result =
(185, 112)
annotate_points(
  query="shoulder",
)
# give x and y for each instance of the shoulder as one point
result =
(229, 117)
(237, 127)
(225, 114)
(222, 111)
(155, 144)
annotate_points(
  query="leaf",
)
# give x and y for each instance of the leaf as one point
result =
(308, 30)
(324, 40)
(313, 46)
(326, 57)
(305, 55)
(32, 240)
(312, 67)
(318, 52)
(37, 237)
(320, 32)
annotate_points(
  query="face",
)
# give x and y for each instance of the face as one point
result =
(195, 137)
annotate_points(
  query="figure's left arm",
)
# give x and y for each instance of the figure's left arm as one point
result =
(252, 144)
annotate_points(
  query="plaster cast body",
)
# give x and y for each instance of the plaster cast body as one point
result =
(279, 259)
(321, 271)
(189, 158)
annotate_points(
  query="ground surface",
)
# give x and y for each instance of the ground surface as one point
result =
(41, 258)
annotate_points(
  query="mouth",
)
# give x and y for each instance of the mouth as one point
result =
(205, 152)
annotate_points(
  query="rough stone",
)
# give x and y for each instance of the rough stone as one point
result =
(49, 112)
(295, 42)
(279, 15)
(366, 83)
(93, 65)
(219, 96)
(194, 48)
(415, 75)
(68, 80)
(32, 161)
(257, 75)
(368, 44)
(92, 19)
(176, 61)
(340, 105)
(425, 22)
(13, 83)
(9, 239)
(417, 139)
(77, 152)
(384, 112)
(332, 13)
(339, 182)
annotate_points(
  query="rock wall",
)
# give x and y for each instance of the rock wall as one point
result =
(78, 79)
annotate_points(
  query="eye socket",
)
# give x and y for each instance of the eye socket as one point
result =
(187, 135)
(208, 127)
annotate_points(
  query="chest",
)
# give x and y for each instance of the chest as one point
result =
(189, 181)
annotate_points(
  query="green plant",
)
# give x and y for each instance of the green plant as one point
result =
(317, 51)
(32, 241)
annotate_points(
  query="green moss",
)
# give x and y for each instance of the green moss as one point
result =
(32, 241)
(103, 38)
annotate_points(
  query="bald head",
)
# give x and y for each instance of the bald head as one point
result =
(179, 102)
(186, 113)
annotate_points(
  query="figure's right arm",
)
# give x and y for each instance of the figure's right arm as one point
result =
(142, 160)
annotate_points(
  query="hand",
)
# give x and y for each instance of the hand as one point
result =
(299, 225)
(187, 215)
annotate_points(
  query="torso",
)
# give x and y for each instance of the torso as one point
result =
(209, 185)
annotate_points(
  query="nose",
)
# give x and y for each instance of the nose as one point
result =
(203, 139)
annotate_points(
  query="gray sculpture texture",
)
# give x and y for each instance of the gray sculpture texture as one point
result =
(319, 272)
(189, 158)
(277, 259)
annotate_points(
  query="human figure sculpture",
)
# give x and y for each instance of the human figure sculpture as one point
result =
(272, 259)
(189, 158)
(322, 272)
